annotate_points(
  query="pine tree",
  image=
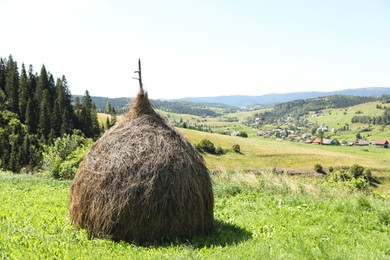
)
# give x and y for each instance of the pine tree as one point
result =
(108, 123)
(31, 116)
(11, 85)
(67, 120)
(95, 123)
(52, 89)
(2, 84)
(32, 79)
(2, 74)
(44, 127)
(56, 119)
(113, 117)
(108, 108)
(86, 115)
(42, 84)
(77, 108)
(23, 94)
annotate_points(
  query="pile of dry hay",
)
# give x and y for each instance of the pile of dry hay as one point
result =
(142, 181)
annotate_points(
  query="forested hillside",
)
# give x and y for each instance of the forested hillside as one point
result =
(121, 105)
(35, 109)
(301, 107)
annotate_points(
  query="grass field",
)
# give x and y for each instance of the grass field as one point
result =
(257, 217)
(259, 214)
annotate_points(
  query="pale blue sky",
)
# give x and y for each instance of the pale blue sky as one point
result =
(202, 48)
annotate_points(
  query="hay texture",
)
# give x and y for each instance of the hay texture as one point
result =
(142, 182)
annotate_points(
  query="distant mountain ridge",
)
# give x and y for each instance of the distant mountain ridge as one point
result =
(244, 101)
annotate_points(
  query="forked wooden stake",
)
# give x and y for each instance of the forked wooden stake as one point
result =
(139, 75)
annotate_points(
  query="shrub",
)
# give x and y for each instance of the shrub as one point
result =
(243, 134)
(236, 148)
(206, 145)
(367, 173)
(356, 170)
(220, 151)
(384, 217)
(348, 177)
(62, 158)
(359, 183)
(67, 168)
(318, 168)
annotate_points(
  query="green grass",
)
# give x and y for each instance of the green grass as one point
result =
(259, 152)
(257, 217)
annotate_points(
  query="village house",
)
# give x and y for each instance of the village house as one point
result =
(316, 141)
(382, 143)
(361, 142)
(324, 141)
(328, 142)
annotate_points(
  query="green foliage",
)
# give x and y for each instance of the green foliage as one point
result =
(228, 189)
(18, 149)
(62, 158)
(356, 170)
(243, 134)
(219, 150)
(205, 145)
(11, 85)
(87, 117)
(318, 168)
(236, 148)
(35, 109)
(384, 218)
(356, 177)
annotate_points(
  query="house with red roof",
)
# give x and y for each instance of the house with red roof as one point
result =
(382, 143)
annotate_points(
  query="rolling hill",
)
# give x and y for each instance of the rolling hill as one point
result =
(243, 101)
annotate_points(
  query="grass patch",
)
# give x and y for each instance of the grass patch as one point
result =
(258, 216)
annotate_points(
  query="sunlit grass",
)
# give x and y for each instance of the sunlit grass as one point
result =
(258, 216)
(259, 152)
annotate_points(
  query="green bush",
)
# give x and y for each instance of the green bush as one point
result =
(236, 148)
(243, 134)
(348, 177)
(206, 145)
(318, 168)
(220, 151)
(67, 168)
(62, 158)
(367, 173)
(356, 170)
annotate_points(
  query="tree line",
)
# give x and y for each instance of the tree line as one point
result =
(35, 109)
(121, 106)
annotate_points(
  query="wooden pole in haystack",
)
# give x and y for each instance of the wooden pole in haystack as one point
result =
(139, 76)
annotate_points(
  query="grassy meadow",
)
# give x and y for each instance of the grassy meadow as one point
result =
(259, 214)
(263, 216)
(269, 204)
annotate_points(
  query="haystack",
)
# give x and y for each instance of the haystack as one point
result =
(142, 181)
